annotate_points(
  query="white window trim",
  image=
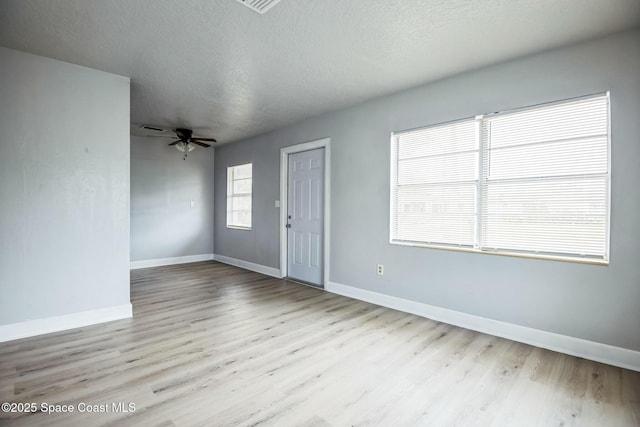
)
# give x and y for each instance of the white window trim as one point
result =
(229, 194)
(481, 178)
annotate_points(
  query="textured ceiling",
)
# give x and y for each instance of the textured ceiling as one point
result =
(229, 72)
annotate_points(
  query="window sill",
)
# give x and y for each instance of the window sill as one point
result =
(578, 260)
(237, 227)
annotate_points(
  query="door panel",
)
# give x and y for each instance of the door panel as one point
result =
(315, 249)
(306, 210)
(298, 199)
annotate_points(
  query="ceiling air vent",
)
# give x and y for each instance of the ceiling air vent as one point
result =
(260, 6)
(150, 130)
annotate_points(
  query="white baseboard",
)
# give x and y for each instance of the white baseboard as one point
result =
(605, 353)
(258, 268)
(48, 325)
(170, 261)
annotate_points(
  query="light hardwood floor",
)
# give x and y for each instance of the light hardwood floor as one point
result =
(214, 345)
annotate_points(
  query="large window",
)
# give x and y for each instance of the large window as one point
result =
(534, 181)
(239, 191)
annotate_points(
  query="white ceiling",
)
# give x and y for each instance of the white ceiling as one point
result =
(230, 73)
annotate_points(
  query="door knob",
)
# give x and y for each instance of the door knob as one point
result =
(288, 225)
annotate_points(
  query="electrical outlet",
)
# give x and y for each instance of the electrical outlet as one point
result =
(380, 270)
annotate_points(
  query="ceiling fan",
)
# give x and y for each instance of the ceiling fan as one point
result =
(186, 141)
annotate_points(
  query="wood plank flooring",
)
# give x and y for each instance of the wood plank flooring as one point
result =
(214, 345)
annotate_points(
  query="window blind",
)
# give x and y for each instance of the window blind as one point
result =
(535, 181)
(434, 185)
(239, 194)
(547, 179)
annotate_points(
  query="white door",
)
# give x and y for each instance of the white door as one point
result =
(305, 216)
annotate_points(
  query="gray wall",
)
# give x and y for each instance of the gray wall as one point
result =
(64, 188)
(163, 223)
(261, 244)
(598, 303)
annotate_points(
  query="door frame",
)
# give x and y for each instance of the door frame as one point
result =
(284, 194)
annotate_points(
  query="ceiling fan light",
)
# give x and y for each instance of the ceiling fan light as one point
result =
(180, 146)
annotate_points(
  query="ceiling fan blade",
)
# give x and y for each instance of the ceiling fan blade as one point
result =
(203, 139)
(174, 142)
(202, 144)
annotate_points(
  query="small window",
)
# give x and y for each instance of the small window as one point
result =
(533, 181)
(239, 193)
